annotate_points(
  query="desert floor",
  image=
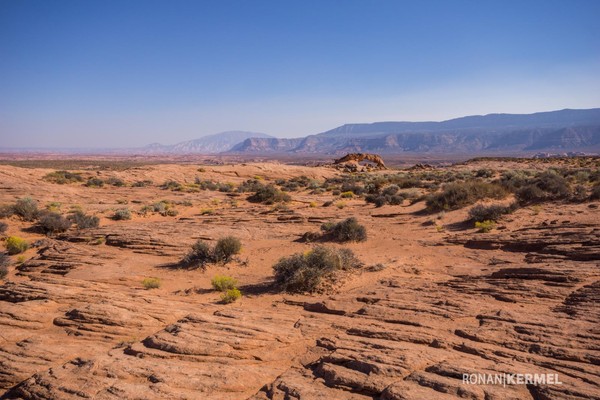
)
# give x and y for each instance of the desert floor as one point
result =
(76, 321)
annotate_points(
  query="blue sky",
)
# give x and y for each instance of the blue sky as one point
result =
(128, 73)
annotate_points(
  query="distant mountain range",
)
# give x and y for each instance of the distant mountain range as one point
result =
(217, 143)
(564, 130)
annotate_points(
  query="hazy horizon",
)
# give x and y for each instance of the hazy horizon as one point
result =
(126, 74)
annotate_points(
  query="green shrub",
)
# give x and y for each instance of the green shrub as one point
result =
(348, 230)
(122, 214)
(63, 177)
(16, 245)
(231, 295)
(492, 212)
(347, 195)
(199, 255)
(458, 195)
(26, 208)
(52, 222)
(151, 283)
(269, 195)
(94, 182)
(226, 248)
(390, 190)
(84, 221)
(485, 226)
(305, 272)
(223, 283)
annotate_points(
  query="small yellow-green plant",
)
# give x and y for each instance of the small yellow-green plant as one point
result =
(151, 283)
(536, 209)
(207, 211)
(16, 245)
(223, 283)
(231, 295)
(485, 226)
(340, 204)
(53, 206)
(440, 228)
(347, 195)
(312, 204)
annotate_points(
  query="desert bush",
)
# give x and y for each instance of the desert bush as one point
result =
(52, 222)
(223, 283)
(390, 190)
(226, 248)
(347, 195)
(143, 183)
(269, 195)
(122, 214)
(16, 245)
(304, 272)
(26, 208)
(595, 195)
(492, 212)
(84, 221)
(151, 283)
(172, 185)
(348, 230)
(484, 173)
(579, 194)
(198, 256)
(94, 182)
(231, 295)
(63, 177)
(485, 226)
(251, 185)
(3, 228)
(458, 195)
(554, 184)
(114, 181)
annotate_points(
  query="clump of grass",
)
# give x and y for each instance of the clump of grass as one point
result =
(26, 208)
(304, 272)
(94, 182)
(16, 245)
(312, 204)
(348, 230)
(172, 185)
(492, 212)
(269, 195)
(223, 283)
(340, 205)
(347, 195)
(201, 253)
(52, 223)
(458, 195)
(122, 214)
(114, 181)
(84, 221)
(226, 248)
(485, 226)
(231, 295)
(143, 183)
(151, 283)
(63, 177)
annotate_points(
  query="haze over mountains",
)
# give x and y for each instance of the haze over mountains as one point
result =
(554, 131)
(565, 130)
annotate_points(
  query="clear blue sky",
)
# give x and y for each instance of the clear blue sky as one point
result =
(125, 73)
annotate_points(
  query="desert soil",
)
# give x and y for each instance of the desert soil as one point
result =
(76, 321)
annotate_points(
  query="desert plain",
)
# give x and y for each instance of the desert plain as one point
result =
(434, 297)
